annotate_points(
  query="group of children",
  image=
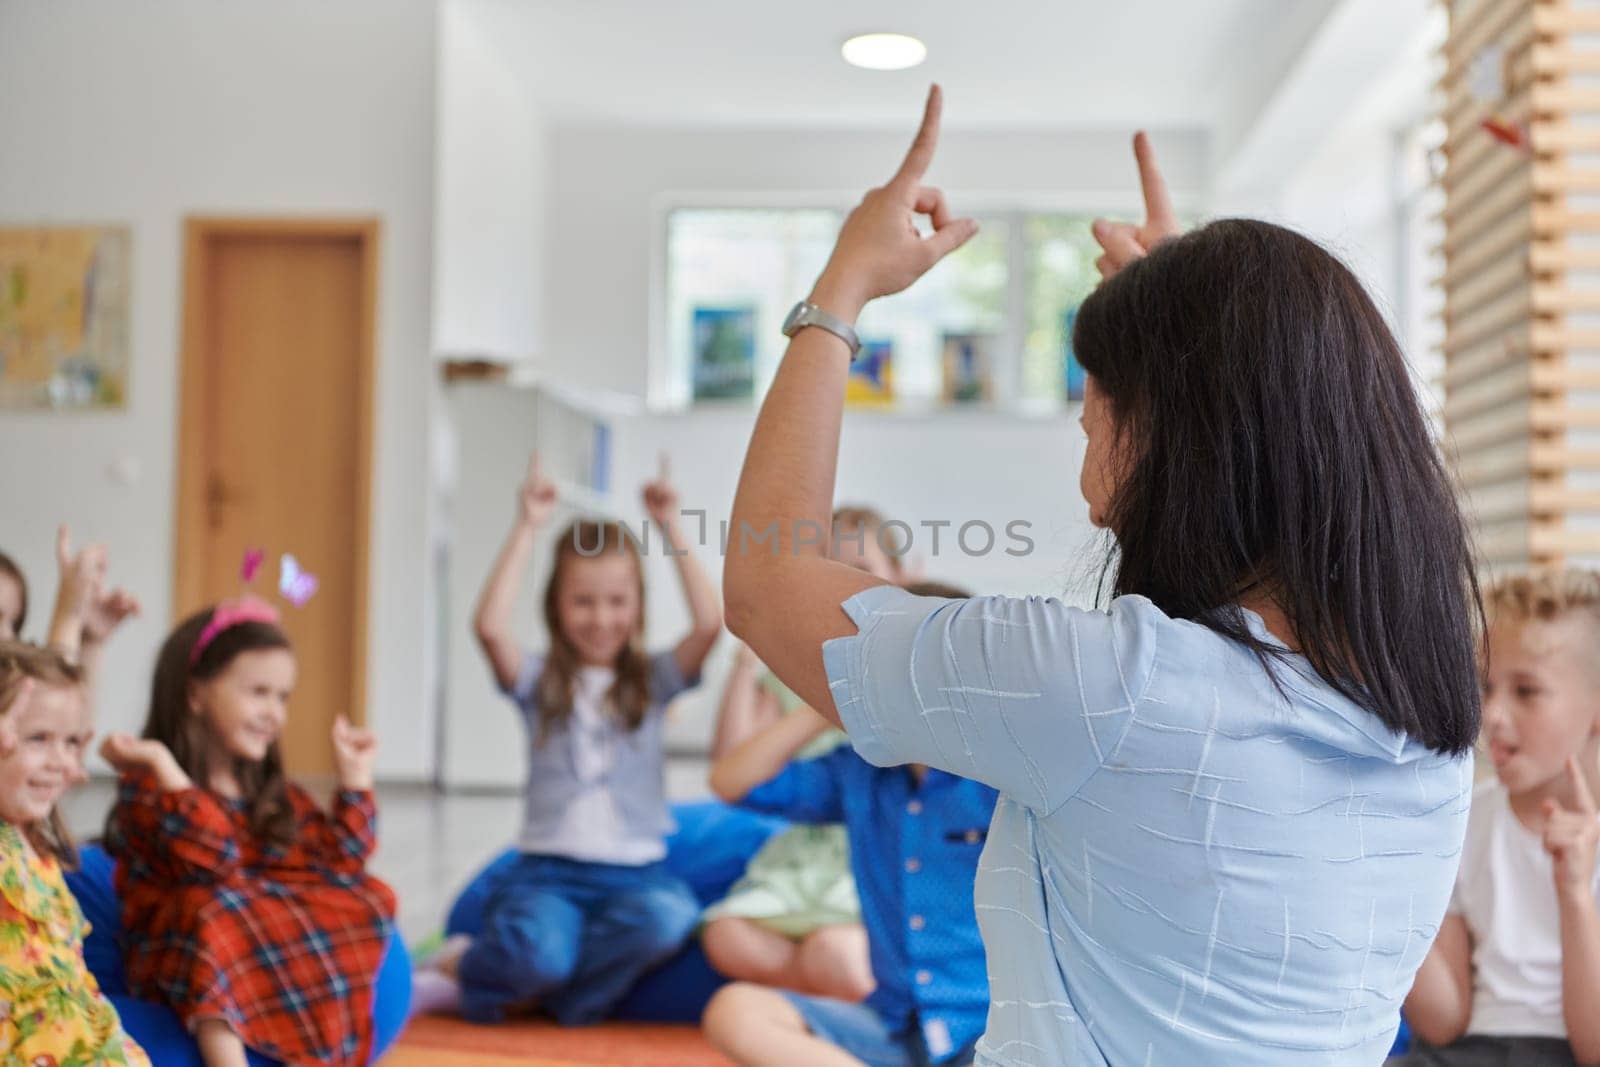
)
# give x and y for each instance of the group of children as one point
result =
(246, 907)
(852, 937)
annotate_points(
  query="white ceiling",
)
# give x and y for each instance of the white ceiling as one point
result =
(1164, 63)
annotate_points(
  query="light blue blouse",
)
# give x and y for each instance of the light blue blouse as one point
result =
(1185, 867)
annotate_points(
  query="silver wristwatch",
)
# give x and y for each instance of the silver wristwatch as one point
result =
(805, 314)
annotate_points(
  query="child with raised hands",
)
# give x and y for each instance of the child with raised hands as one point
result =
(590, 906)
(51, 1009)
(246, 907)
(1514, 973)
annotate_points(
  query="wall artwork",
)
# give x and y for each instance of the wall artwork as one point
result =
(871, 381)
(968, 368)
(64, 316)
(724, 353)
(1072, 371)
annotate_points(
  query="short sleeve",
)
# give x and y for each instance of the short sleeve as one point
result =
(666, 678)
(804, 791)
(528, 674)
(1025, 695)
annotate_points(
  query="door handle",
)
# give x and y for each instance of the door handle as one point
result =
(219, 496)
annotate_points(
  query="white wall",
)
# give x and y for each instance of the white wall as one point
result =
(144, 113)
(608, 185)
(955, 466)
(489, 195)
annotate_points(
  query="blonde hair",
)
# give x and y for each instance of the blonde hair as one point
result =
(867, 523)
(1541, 596)
(20, 661)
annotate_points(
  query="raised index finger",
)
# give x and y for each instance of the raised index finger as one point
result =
(921, 153)
(1157, 201)
(1580, 787)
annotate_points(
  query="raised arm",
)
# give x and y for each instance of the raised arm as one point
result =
(536, 500)
(763, 757)
(80, 576)
(746, 707)
(163, 823)
(705, 609)
(783, 594)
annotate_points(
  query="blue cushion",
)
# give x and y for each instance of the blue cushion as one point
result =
(1402, 1039)
(710, 850)
(156, 1026)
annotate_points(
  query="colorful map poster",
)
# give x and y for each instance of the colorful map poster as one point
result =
(64, 316)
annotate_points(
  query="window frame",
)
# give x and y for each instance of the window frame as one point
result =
(668, 385)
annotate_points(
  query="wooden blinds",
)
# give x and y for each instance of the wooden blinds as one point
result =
(1522, 275)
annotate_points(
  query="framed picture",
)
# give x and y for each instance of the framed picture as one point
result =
(1073, 373)
(64, 316)
(968, 368)
(724, 353)
(600, 458)
(871, 381)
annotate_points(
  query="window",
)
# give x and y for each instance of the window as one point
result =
(989, 323)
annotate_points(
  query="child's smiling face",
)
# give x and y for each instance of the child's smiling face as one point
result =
(40, 752)
(1541, 696)
(246, 706)
(598, 605)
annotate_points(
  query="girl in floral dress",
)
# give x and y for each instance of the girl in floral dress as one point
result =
(52, 1013)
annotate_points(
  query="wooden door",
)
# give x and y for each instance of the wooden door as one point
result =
(274, 444)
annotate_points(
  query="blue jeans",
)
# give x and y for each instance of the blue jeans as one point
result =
(573, 936)
(859, 1030)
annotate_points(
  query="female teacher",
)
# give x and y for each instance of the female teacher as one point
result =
(1232, 802)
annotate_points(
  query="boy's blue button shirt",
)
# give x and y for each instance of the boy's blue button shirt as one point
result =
(914, 851)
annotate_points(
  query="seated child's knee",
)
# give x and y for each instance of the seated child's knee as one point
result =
(738, 1014)
(665, 921)
(531, 966)
(724, 941)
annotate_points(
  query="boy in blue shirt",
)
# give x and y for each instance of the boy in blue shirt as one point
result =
(915, 838)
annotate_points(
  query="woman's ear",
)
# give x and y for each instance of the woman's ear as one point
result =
(193, 696)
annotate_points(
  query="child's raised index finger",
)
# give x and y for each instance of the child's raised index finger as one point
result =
(920, 155)
(534, 469)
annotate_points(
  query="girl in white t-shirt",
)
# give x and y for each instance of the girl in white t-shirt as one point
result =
(590, 905)
(1514, 975)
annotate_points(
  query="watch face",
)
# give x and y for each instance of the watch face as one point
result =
(793, 320)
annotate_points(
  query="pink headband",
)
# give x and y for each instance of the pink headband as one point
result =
(231, 613)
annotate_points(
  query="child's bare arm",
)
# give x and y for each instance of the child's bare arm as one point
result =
(1439, 1005)
(1580, 976)
(746, 707)
(760, 759)
(536, 499)
(705, 605)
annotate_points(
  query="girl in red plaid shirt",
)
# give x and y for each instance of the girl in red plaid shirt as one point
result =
(246, 907)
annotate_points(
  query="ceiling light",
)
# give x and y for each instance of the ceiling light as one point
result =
(884, 51)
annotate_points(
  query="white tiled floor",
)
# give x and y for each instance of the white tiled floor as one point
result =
(430, 842)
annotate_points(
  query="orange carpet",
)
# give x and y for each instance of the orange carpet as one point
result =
(433, 1041)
